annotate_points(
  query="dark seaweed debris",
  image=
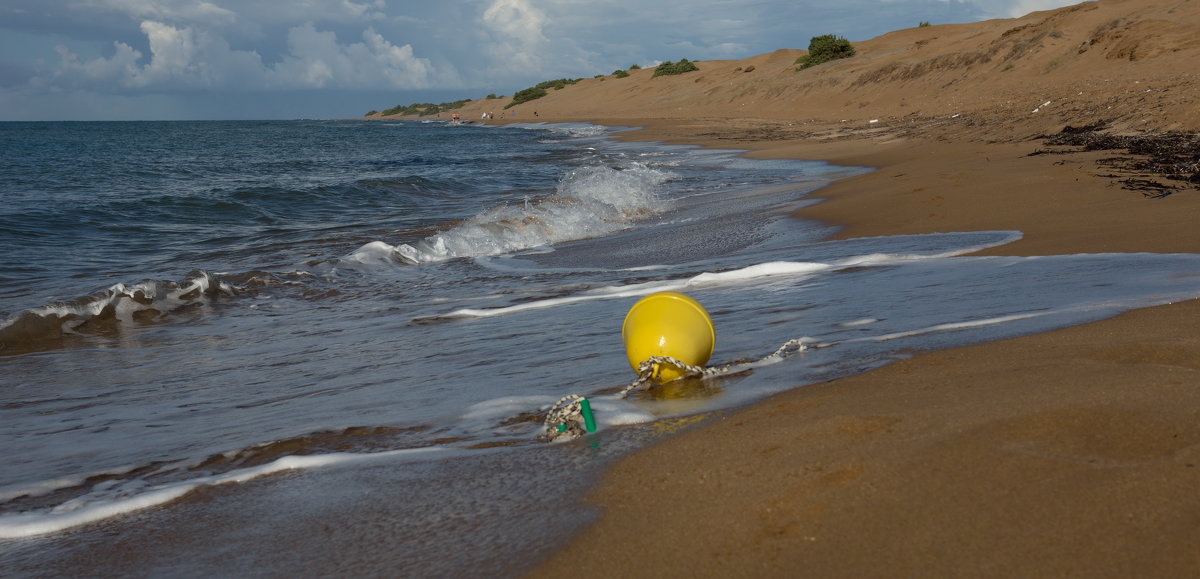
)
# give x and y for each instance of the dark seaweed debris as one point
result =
(1172, 155)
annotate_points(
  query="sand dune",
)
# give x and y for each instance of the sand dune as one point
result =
(1128, 61)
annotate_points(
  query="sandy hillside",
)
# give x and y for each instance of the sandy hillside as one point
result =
(1133, 62)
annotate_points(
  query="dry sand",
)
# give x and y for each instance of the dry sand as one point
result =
(1073, 453)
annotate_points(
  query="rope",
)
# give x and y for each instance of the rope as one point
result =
(646, 368)
(565, 420)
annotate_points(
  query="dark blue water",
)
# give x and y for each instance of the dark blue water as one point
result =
(117, 201)
(187, 304)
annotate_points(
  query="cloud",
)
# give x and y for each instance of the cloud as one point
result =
(1022, 7)
(515, 31)
(163, 10)
(186, 58)
(366, 10)
(316, 60)
(73, 72)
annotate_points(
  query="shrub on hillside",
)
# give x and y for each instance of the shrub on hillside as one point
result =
(423, 109)
(620, 73)
(823, 49)
(558, 83)
(539, 90)
(668, 67)
(526, 95)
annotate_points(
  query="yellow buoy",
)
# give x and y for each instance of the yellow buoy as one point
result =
(668, 324)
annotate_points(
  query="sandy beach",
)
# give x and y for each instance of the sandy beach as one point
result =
(1068, 453)
(1071, 453)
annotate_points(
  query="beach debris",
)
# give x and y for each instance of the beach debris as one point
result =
(873, 121)
(568, 419)
(1042, 106)
(1171, 155)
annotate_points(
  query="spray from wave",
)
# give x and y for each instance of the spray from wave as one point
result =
(588, 202)
(101, 312)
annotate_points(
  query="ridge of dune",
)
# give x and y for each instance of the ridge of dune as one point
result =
(1127, 61)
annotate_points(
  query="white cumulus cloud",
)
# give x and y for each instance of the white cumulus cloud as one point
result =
(516, 28)
(316, 60)
(186, 57)
(163, 10)
(1023, 7)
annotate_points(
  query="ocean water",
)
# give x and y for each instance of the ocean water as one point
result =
(191, 306)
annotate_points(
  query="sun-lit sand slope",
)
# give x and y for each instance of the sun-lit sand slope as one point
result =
(1132, 61)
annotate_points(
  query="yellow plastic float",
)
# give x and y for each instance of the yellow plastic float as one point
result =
(668, 324)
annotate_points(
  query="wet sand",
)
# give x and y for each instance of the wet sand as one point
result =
(1071, 453)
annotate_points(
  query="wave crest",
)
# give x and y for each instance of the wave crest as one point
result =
(108, 310)
(588, 202)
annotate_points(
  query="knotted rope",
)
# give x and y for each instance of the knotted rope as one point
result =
(567, 419)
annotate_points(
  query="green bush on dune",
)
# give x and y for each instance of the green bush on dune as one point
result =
(420, 109)
(526, 95)
(823, 49)
(539, 90)
(668, 67)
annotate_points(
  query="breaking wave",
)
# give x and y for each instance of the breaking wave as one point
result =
(588, 202)
(104, 311)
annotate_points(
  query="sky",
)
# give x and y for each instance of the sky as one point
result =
(288, 59)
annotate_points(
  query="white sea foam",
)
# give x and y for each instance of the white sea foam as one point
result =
(86, 509)
(611, 411)
(857, 323)
(704, 280)
(578, 129)
(123, 302)
(44, 488)
(761, 270)
(489, 411)
(950, 327)
(374, 253)
(590, 202)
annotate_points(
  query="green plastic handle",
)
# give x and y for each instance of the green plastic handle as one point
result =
(589, 421)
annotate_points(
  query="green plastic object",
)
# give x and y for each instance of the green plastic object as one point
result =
(589, 421)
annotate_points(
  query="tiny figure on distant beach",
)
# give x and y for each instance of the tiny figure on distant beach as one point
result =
(535, 113)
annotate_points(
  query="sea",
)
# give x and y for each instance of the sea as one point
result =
(327, 346)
